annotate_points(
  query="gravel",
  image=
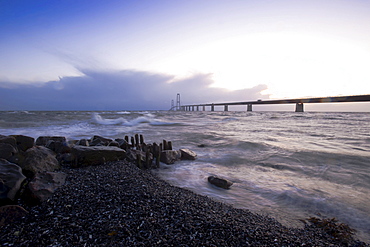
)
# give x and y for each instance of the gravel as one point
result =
(117, 204)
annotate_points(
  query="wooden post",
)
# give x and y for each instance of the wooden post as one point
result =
(137, 141)
(165, 146)
(147, 159)
(132, 142)
(141, 139)
(138, 161)
(169, 145)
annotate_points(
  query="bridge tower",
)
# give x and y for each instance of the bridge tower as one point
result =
(299, 107)
(178, 103)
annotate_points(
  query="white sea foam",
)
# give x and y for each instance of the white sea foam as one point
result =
(105, 121)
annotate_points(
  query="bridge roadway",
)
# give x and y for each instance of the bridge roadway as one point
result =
(299, 102)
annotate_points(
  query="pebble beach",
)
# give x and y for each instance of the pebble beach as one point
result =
(117, 204)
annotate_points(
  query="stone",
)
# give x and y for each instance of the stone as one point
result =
(43, 140)
(58, 147)
(170, 156)
(187, 154)
(220, 182)
(24, 142)
(7, 150)
(86, 156)
(43, 186)
(10, 140)
(12, 178)
(39, 159)
(11, 213)
(99, 140)
(83, 142)
(114, 144)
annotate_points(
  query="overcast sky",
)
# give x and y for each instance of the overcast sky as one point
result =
(137, 55)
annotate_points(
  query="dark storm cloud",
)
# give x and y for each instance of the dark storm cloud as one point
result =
(118, 90)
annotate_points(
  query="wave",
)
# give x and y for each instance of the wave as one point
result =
(123, 112)
(134, 122)
(105, 121)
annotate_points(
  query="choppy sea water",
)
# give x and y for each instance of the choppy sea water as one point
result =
(284, 164)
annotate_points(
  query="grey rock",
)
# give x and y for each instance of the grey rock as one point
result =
(10, 140)
(7, 150)
(39, 159)
(43, 185)
(12, 178)
(43, 140)
(24, 142)
(83, 142)
(220, 182)
(187, 154)
(86, 156)
(170, 156)
(100, 141)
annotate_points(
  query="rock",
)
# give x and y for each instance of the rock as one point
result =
(39, 159)
(7, 150)
(10, 213)
(10, 140)
(12, 178)
(86, 156)
(43, 140)
(123, 143)
(170, 156)
(220, 182)
(113, 144)
(24, 142)
(187, 154)
(3, 190)
(83, 142)
(100, 141)
(42, 186)
(58, 147)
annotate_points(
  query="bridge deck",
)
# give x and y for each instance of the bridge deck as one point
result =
(298, 102)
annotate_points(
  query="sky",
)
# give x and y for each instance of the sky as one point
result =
(137, 55)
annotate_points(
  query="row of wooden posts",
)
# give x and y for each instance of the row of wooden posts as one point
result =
(151, 151)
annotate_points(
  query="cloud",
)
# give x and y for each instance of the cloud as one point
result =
(118, 90)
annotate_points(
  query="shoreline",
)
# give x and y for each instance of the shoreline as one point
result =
(117, 204)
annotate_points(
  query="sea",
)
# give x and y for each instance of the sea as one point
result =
(287, 165)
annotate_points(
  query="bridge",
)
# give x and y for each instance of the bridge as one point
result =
(298, 102)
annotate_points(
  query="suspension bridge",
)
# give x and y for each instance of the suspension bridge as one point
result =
(298, 103)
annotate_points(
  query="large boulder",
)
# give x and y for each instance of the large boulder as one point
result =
(10, 213)
(100, 141)
(9, 139)
(43, 185)
(12, 178)
(24, 142)
(7, 151)
(86, 156)
(170, 156)
(187, 154)
(39, 159)
(220, 182)
(43, 140)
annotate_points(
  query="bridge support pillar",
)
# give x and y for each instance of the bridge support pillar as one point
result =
(249, 107)
(197, 107)
(192, 108)
(204, 108)
(299, 107)
(226, 108)
(212, 107)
